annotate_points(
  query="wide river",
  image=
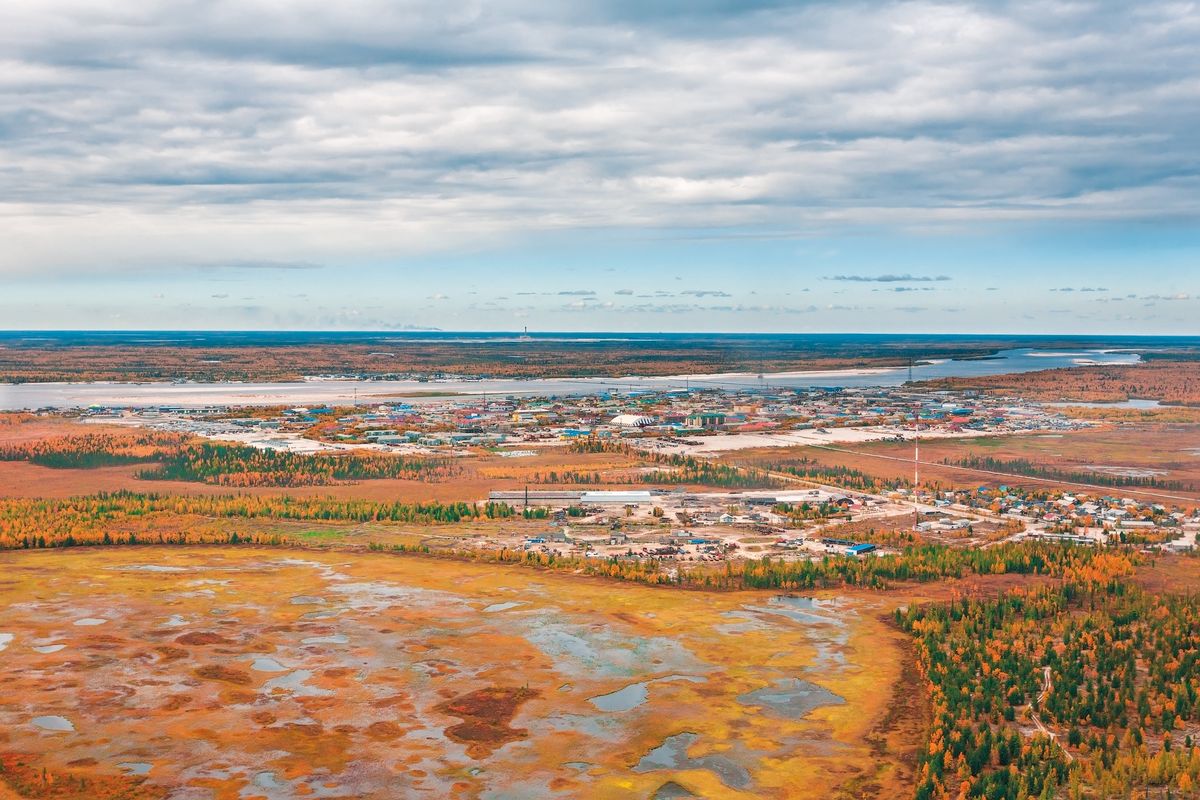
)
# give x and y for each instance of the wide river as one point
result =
(134, 395)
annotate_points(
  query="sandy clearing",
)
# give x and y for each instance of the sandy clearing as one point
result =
(749, 441)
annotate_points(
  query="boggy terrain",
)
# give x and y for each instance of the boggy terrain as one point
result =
(1160, 458)
(249, 356)
(202, 672)
(1176, 382)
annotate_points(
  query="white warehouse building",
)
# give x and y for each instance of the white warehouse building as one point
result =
(631, 420)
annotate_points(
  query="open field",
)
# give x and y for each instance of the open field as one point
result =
(1174, 382)
(710, 445)
(469, 478)
(18, 429)
(1167, 452)
(474, 480)
(472, 477)
(380, 676)
(21, 479)
(1170, 575)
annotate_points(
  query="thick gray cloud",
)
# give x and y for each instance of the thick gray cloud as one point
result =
(135, 135)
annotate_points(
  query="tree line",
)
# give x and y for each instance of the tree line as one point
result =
(134, 518)
(1023, 466)
(836, 474)
(94, 450)
(180, 458)
(681, 469)
(1109, 669)
(686, 470)
(918, 563)
(241, 466)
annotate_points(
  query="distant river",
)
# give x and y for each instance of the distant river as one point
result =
(82, 395)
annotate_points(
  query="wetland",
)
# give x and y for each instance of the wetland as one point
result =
(430, 677)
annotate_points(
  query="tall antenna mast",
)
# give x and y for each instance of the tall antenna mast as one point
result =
(916, 447)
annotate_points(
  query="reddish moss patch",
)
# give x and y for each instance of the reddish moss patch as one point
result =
(103, 643)
(23, 776)
(202, 637)
(384, 730)
(175, 702)
(170, 653)
(485, 715)
(216, 672)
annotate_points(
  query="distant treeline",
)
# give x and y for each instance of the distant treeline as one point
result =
(96, 356)
(239, 466)
(1170, 355)
(1022, 466)
(593, 444)
(684, 469)
(688, 470)
(90, 451)
(179, 458)
(1174, 379)
(129, 517)
(569, 476)
(921, 563)
(836, 474)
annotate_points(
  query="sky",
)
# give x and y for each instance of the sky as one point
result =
(683, 165)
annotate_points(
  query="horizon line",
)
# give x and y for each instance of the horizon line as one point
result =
(534, 334)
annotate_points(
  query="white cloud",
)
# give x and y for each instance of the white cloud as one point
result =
(906, 277)
(134, 136)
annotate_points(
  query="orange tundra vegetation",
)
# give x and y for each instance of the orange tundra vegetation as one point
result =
(129, 518)
(181, 458)
(238, 465)
(1086, 687)
(21, 775)
(1174, 382)
(429, 657)
(389, 356)
(92, 450)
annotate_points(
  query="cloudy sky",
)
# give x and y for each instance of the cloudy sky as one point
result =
(705, 165)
